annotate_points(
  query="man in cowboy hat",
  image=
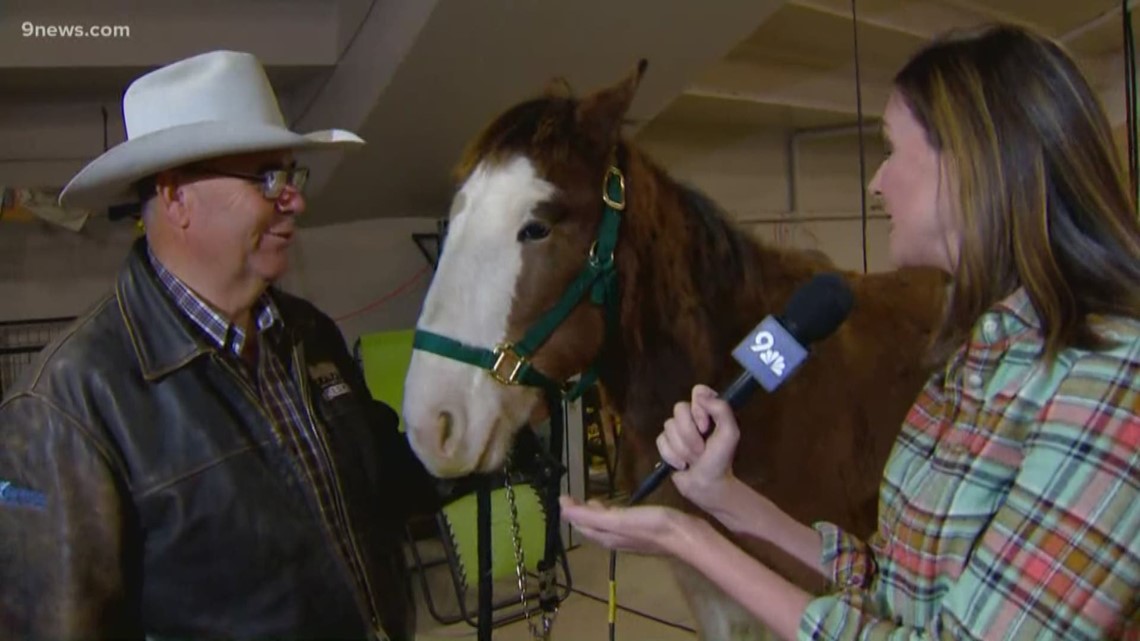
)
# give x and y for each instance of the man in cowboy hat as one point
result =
(198, 456)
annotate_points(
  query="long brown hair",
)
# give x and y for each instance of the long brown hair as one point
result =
(1043, 198)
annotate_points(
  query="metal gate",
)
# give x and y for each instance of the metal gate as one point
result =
(21, 340)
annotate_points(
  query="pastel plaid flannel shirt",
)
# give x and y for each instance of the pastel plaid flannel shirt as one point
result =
(1010, 505)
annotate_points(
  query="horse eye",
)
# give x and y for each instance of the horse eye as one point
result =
(533, 231)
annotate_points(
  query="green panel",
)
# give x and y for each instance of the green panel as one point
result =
(385, 357)
(462, 521)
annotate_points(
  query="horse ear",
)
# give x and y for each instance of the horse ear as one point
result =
(602, 113)
(558, 87)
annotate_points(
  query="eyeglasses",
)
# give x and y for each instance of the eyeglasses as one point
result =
(271, 181)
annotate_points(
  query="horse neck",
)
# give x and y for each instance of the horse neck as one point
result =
(691, 287)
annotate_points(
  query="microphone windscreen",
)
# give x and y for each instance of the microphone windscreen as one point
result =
(818, 308)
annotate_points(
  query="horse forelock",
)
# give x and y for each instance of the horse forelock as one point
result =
(543, 129)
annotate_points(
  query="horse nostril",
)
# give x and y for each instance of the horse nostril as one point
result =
(446, 423)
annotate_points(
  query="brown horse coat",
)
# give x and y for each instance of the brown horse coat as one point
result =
(692, 286)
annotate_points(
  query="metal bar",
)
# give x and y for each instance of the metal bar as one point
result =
(29, 159)
(768, 98)
(418, 239)
(37, 321)
(13, 351)
(830, 131)
(486, 585)
(809, 219)
(792, 161)
(573, 457)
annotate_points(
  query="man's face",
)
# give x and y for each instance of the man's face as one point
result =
(238, 232)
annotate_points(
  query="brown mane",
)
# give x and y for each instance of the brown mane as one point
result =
(700, 281)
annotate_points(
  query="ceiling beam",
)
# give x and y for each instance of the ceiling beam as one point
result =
(912, 19)
(416, 132)
(833, 90)
(916, 18)
(764, 98)
(877, 20)
(790, 85)
(1096, 23)
(992, 14)
(786, 100)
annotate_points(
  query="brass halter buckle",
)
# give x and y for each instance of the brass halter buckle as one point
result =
(619, 204)
(505, 355)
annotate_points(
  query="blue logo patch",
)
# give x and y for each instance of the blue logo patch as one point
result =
(23, 497)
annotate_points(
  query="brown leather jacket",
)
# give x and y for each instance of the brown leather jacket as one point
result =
(141, 492)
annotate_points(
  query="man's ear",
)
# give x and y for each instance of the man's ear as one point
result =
(171, 195)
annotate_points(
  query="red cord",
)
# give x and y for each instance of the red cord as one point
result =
(387, 297)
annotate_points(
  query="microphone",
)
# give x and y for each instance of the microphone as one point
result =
(774, 350)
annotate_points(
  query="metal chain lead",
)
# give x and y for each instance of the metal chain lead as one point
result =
(543, 633)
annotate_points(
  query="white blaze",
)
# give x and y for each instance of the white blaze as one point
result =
(469, 300)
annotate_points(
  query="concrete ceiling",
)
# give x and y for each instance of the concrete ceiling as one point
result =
(471, 60)
(797, 70)
(418, 78)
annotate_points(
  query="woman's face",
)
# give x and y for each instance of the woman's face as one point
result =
(912, 182)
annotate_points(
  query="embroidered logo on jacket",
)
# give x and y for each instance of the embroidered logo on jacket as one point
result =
(23, 497)
(327, 378)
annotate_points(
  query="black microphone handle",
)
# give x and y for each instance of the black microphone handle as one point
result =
(738, 392)
(735, 395)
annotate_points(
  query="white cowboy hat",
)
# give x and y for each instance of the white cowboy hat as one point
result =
(210, 105)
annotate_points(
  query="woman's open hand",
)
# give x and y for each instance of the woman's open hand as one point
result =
(648, 529)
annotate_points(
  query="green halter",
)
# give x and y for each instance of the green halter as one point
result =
(510, 363)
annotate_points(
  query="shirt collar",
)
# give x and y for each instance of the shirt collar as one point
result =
(1011, 316)
(222, 333)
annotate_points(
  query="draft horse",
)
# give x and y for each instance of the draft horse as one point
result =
(660, 286)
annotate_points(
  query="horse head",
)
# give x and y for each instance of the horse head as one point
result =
(526, 285)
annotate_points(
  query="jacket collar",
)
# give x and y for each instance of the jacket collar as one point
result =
(162, 336)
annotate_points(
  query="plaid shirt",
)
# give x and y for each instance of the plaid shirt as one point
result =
(1010, 506)
(281, 398)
